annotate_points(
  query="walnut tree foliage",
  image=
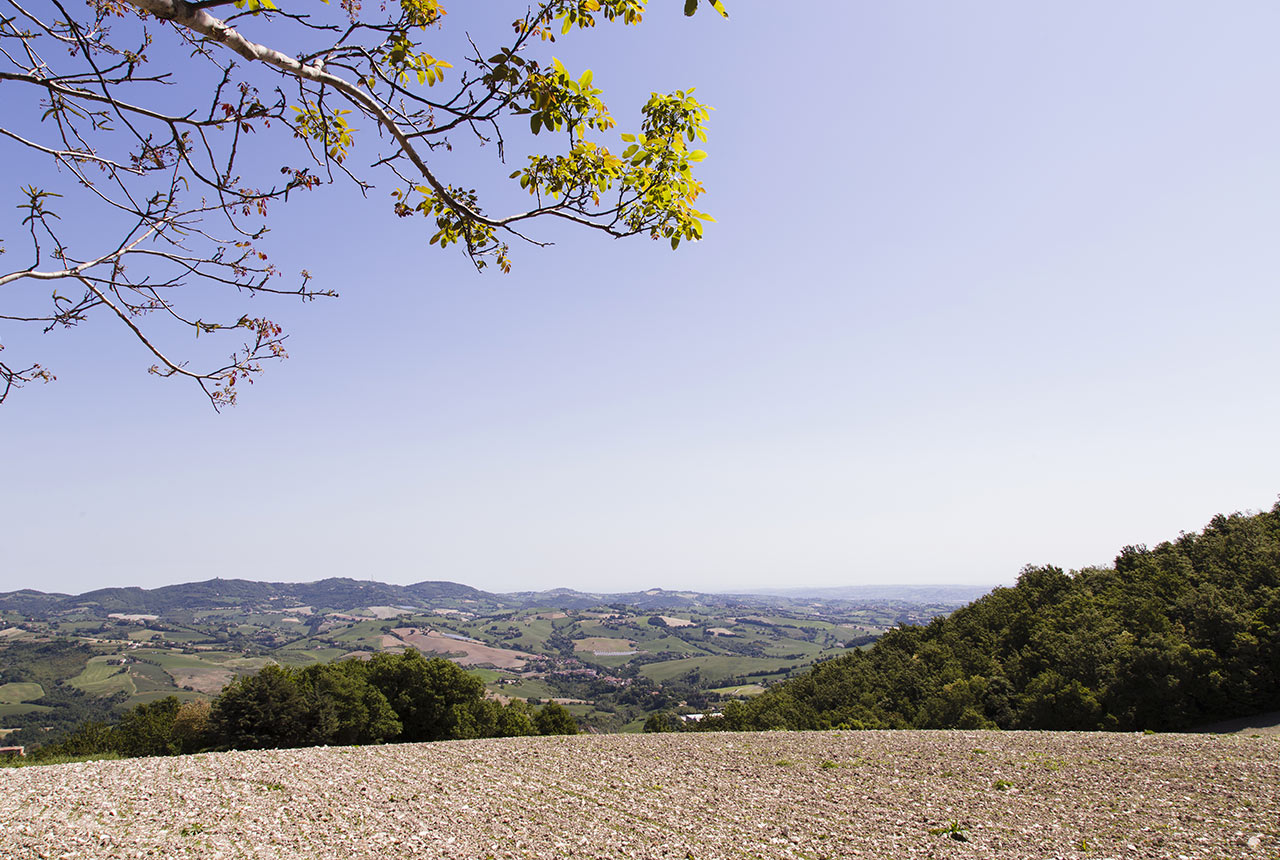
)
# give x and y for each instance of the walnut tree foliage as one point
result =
(157, 115)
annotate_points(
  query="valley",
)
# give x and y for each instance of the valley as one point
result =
(612, 659)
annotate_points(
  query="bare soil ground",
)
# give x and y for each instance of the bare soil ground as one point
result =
(473, 653)
(385, 612)
(210, 680)
(772, 795)
(1258, 724)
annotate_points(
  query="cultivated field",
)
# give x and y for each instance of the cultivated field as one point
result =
(773, 795)
(104, 676)
(18, 701)
(604, 645)
(16, 692)
(473, 653)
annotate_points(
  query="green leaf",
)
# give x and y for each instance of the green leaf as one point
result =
(535, 123)
(690, 7)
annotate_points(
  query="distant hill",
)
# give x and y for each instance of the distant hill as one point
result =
(958, 594)
(1168, 639)
(340, 594)
(447, 590)
(30, 602)
(344, 594)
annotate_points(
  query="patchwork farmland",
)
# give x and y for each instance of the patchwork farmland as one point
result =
(616, 658)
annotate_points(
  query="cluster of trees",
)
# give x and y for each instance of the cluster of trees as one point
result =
(390, 697)
(1168, 639)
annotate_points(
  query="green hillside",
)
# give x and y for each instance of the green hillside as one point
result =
(1167, 639)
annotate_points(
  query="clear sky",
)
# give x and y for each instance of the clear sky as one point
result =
(991, 284)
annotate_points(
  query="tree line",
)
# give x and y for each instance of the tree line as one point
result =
(400, 697)
(1166, 639)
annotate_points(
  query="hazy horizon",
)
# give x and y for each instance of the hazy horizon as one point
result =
(760, 590)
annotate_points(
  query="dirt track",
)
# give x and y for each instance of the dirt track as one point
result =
(774, 795)
(1258, 724)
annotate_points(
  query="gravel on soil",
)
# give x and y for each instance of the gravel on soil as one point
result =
(893, 794)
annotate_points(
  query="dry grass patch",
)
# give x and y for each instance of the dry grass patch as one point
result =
(603, 644)
(384, 612)
(210, 680)
(471, 653)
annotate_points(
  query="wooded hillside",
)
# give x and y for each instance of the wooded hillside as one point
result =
(1167, 639)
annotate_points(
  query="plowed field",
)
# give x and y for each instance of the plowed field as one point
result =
(773, 795)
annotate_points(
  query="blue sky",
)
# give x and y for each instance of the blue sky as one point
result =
(990, 284)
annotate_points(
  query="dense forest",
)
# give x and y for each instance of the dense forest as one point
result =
(1167, 639)
(390, 697)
